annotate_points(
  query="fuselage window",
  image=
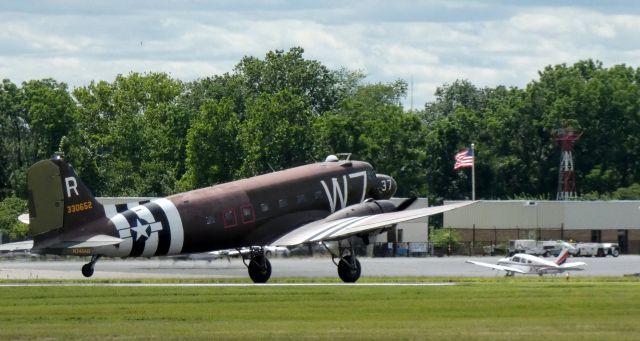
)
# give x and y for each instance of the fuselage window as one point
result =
(230, 218)
(317, 195)
(516, 259)
(300, 199)
(283, 203)
(264, 207)
(247, 214)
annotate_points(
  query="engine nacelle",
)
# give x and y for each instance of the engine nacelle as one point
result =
(369, 207)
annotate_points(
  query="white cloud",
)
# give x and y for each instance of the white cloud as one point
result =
(433, 42)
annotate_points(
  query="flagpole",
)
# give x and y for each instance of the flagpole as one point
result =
(473, 174)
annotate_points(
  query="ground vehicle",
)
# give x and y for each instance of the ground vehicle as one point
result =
(543, 248)
(597, 249)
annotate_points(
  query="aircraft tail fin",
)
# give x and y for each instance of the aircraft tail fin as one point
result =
(58, 199)
(562, 257)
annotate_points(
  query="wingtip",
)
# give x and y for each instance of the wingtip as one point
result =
(24, 218)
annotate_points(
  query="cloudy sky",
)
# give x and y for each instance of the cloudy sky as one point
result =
(430, 42)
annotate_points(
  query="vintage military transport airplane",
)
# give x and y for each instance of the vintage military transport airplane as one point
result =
(526, 264)
(335, 200)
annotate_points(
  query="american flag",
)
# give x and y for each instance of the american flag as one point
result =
(464, 159)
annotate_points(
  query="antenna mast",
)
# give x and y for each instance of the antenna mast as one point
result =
(566, 137)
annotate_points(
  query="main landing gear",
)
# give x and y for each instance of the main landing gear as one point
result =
(259, 266)
(87, 269)
(349, 268)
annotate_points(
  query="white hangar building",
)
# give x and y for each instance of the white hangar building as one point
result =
(498, 221)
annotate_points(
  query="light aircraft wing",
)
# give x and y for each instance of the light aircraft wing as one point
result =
(497, 267)
(572, 266)
(323, 230)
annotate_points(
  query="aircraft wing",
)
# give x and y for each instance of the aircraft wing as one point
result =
(497, 267)
(323, 230)
(573, 266)
(24, 218)
(84, 242)
(17, 246)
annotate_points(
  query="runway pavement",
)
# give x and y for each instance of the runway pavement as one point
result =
(286, 267)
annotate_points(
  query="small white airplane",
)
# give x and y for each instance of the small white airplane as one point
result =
(525, 264)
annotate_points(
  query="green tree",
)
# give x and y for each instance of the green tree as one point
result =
(277, 133)
(289, 71)
(13, 136)
(212, 145)
(130, 136)
(12, 229)
(372, 126)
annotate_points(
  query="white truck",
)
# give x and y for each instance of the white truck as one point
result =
(543, 248)
(597, 249)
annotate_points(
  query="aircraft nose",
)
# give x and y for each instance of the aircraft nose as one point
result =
(386, 186)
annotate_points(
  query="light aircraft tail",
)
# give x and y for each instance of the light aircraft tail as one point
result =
(58, 199)
(562, 257)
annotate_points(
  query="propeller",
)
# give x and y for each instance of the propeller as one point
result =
(406, 203)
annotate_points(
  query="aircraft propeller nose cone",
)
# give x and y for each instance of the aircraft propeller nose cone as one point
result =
(387, 186)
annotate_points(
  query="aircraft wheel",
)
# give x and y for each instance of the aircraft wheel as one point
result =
(87, 270)
(346, 272)
(615, 253)
(259, 269)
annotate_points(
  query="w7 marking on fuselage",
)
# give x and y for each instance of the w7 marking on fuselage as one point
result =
(343, 194)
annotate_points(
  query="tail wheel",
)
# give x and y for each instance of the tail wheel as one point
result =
(348, 270)
(259, 269)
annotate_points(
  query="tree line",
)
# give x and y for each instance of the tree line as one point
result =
(153, 135)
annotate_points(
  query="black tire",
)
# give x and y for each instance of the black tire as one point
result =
(346, 272)
(87, 270)
(259, 269)
(615, 253)
(600, 253)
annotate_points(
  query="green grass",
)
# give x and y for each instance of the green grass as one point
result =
(475, 309)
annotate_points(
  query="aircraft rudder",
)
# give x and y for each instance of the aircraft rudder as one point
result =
(58, 199)
(562, 257)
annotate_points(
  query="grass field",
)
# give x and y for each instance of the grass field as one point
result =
(474, 309)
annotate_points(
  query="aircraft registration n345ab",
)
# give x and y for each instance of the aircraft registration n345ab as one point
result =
(335, 200)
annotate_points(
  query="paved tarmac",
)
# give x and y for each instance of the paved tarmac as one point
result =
(287, 267)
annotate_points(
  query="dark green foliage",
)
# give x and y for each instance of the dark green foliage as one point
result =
(10, 228)
(151, 135)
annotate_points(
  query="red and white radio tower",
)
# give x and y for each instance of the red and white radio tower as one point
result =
(566, 176)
